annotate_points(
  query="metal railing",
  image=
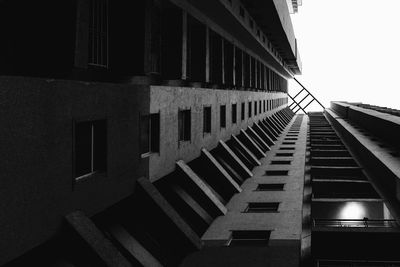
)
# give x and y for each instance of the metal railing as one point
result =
(360, 223)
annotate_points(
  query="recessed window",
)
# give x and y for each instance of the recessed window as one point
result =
(277, 173)
(270, 187)
(249, 109)
(98, 33)
(280, 162)
(264, 104)
(255, 108)
(290, 139)
(222, 116)
(243, 113)
(184, 125)
(149, 133)
(234, 113)
(259, 106)
(207, 120)
(262, 207)
(90, 147)
(249, 238)
(284, 154)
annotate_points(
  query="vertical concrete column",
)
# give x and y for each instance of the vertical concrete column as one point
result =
(82, 34)
(152, 37)
(223, 59)
(207, 55)
(184, 45)
(234, 66)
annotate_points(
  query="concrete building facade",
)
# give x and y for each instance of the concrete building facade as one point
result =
(158, 133)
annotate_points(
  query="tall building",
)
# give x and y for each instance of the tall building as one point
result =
(159, 133)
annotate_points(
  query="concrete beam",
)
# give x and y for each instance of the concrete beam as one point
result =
(213, 202)
(246, 173)
(229, 186)
(262, 144)
(278, 123)
(272, 126)
(271, 133)
(96, 240)
(152, 192)
(130, 244)
(263, 134)
(248, 156)
(253, 147)
(282, 116)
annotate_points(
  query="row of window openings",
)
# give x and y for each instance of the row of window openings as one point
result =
(249, 238)
(98, 34)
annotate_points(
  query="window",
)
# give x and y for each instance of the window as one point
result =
(262, 207)
(149, 133)
(90, 147)
(207, 120)
(259, 106)
(264, 105)
(222, 116)
(280, 162)
(243, 111)
(276, 173)
(184, 125)
(286, 148)
(270, 187)
(255, 108)
(234, 113)
(249, 238)
(98, 33)
(249, 109)
(288, 143)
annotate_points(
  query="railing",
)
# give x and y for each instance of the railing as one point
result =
(360, 223)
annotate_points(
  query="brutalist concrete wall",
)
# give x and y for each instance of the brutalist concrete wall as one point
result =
(37, 185)
(168, 100)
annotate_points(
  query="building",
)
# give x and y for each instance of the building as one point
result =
(159, 133)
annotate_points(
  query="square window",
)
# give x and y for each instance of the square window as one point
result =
(149, 133)
(234, 113)
(243, 111)
(270, 187)
(184, 125)
(90, 147)
(207, 120)
(222, 116)
(262, 207)
(249, 238)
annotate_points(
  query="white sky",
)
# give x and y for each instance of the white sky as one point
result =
(350, 50)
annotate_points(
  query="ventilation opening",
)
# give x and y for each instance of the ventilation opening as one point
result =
(270, 187)
(262, 207)
(276, 173)
(249, 238)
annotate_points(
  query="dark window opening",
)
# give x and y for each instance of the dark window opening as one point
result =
(249, 109)
(207, 120)
(255, 108)
(286, 148)
(276, 173)
(234, 113)
(184, 125)
(150, 133)
(90, 147)
(260, 107)
(262, 207)
(288, 143)
(98, 33)
(270, 187)
(280, 162)
(243, 111)
(222, 116)
(264, 105)
(249, 238)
